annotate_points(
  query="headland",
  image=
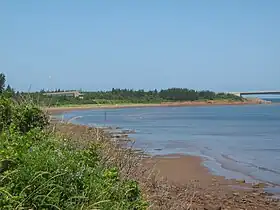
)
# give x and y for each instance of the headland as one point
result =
(61, 109)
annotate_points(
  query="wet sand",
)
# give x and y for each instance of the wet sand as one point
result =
(210, 191)
(181, 169)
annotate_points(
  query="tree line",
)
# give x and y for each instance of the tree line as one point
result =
(170, 94)
(117, 95)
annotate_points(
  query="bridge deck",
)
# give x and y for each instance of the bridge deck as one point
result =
(272, 92)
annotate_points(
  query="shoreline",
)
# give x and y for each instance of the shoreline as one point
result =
(192, 165)
(203, 171)
(184, 177)
(122, 134)
(62, 109)
(170, 166)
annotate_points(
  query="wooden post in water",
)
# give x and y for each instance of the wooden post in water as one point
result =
(105, 118)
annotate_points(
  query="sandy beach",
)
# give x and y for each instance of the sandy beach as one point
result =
(182, 169)
(210, 191)
(62, 109)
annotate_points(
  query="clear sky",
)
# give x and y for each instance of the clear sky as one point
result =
(99, 44)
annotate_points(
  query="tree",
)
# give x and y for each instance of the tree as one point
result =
(2, 82)
(10, 92)
(9, 89)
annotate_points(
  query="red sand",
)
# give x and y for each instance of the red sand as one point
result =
(211, 192)
(182, 169)
(55, 110)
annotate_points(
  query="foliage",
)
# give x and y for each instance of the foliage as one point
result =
(116, 96)
(65, 178)
(2, 82)
(40, 170)
(121, 96)
(9, 92)
(27, 116)
(22, 117)
(6, 109)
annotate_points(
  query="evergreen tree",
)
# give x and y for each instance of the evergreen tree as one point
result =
(2, 82)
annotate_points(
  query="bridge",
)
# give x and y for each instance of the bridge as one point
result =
(74, 94)
(272, 92)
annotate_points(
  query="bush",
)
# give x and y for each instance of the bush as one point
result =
(28, 116)
(40, 170)
(6, 110)
(52, 175)
(23, 117)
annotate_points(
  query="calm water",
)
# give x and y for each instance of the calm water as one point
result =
(236, 141)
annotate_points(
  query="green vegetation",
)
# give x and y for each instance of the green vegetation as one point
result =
(2, 82)
(118, 96)
(40, 169)
(126, 96)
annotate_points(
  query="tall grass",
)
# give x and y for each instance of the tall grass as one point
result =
(43, 170)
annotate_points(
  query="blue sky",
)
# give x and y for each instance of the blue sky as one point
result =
(201, 44)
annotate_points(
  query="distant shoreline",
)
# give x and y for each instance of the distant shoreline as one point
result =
(62, 109)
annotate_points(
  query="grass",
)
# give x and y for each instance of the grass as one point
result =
(41, 169)
(55, 174)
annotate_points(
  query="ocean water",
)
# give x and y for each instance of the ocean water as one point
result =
(241, 142)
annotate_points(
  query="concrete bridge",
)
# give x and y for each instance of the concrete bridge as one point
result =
(74, 94)
(272, 92)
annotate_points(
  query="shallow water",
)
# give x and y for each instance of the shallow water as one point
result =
(240, 142)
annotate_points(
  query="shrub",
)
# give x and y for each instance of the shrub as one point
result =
(23, 116)
(28, 116)
(55, 176)
(6, 110)
(40, 170)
